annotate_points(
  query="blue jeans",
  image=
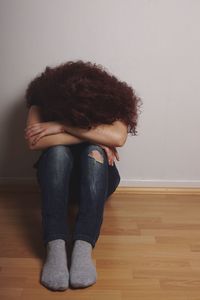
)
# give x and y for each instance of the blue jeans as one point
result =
(65, 171)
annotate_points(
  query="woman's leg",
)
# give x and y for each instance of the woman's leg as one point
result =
(97, 181)
(53, 173)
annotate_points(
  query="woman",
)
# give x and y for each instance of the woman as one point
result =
(78, 115)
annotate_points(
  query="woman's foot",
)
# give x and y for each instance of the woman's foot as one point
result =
(82, 271)
(55, 273)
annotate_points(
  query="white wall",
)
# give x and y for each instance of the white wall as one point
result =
(154, 45)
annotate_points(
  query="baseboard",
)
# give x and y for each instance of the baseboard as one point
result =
(160, 183)
(31, 185)
(158, 190)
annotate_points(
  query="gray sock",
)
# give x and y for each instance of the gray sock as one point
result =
(82, 271)
(55, 273)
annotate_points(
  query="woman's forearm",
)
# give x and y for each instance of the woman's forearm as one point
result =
(105, 134)
(55, 139)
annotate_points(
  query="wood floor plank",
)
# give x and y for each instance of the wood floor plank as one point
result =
(149, 248)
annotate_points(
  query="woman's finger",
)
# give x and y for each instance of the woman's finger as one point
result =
(116, 154)
(32, 125)
(109, 156)
(112, 157)
(33, 132)
(37, 138)
(111, 153)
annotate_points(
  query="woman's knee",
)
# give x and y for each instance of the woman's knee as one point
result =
(95, 152)
(58, 154)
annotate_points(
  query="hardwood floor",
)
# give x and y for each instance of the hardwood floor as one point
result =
(149, 248)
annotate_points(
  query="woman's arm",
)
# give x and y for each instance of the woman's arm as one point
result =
(113, 135)
(53, 140)
(34, 116)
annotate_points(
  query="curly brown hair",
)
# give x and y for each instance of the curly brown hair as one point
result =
(83, 94)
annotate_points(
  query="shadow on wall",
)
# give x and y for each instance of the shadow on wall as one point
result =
(16, 167)
(17, 160)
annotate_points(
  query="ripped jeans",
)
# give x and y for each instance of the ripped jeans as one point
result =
(70, 170)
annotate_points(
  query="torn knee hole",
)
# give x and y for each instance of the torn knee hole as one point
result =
(96, 155)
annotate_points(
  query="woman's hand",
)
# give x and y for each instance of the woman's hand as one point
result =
(39, 130)
(111, 153)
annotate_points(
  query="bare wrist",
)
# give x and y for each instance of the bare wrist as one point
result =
(63, 126)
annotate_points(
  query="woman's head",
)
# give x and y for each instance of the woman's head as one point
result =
(84, 94)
